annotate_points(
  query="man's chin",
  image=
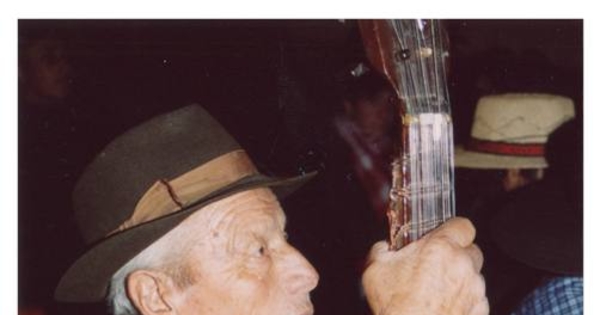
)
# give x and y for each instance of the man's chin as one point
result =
(308, 311)
(304, 309)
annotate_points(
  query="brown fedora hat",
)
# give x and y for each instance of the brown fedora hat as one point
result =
(145, 182)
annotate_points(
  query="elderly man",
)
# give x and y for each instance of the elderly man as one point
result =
(179, 221)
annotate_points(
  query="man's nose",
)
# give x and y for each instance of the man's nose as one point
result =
(300, 275)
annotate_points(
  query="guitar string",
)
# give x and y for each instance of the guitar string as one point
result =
(422, 79)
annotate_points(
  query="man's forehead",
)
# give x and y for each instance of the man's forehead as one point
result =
(260, 198)
(251, 204)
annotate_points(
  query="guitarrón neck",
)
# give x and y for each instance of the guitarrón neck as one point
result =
(422, 195)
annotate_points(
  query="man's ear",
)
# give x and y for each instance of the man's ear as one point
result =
(149, 292)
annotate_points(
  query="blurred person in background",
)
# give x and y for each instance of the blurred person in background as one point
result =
(357, 181)
(505, 153)
(542, 227)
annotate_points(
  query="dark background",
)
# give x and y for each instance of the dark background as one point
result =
(274, 84)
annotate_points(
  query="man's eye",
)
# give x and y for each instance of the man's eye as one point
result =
(259, 250)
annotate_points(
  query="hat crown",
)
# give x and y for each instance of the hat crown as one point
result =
(511, 130)
(520, 118)
(162, 148)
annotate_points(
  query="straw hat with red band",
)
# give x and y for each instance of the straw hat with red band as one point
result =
(145, 182)
(511, 130)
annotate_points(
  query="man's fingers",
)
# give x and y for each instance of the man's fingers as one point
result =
(481, 308)
(378, 250)
(476, 256)
(481, 305)
(459, 230)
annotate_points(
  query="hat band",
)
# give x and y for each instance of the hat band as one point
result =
(505, 148)
(167, 196)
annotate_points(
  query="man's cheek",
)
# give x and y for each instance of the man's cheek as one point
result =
(254, 277)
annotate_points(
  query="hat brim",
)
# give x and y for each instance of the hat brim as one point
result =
(471, 159)
(541, 229)
(87, 279)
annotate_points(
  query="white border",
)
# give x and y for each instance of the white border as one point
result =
(281, 9)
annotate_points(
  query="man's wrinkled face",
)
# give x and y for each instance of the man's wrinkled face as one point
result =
(245, 265)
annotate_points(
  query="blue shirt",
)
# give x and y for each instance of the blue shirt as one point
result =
(561, 295)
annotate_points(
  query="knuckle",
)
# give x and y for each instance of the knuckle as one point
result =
(480, 285)
(483, 308)
(440, 246)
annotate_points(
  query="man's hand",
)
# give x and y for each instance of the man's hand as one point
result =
(436, 275)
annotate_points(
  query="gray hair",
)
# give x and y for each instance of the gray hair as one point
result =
(168, 254)
(118, 301)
